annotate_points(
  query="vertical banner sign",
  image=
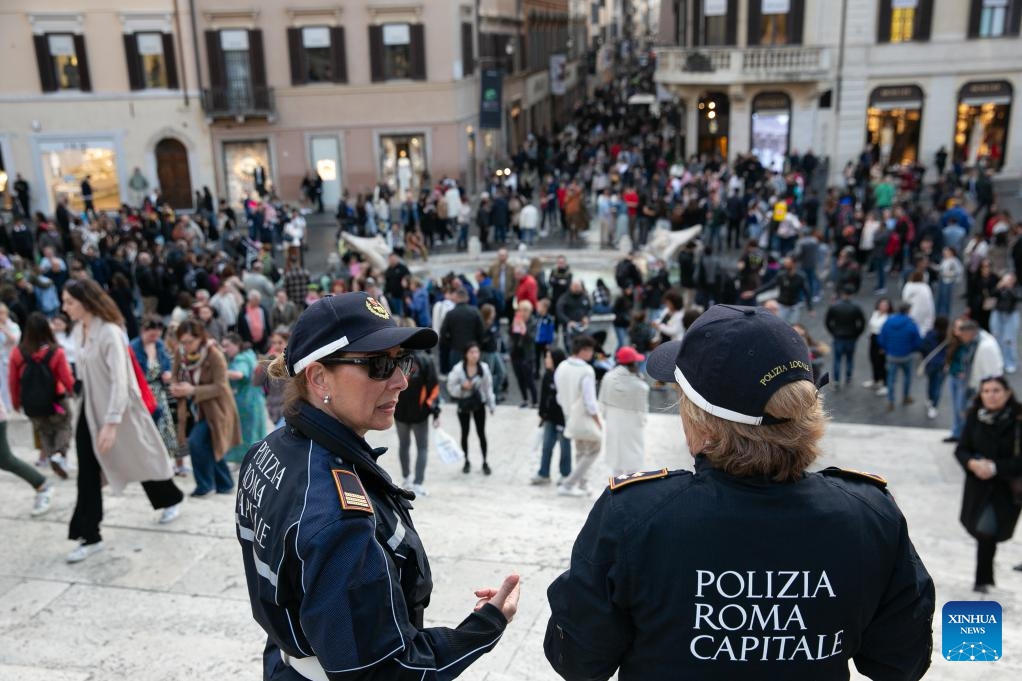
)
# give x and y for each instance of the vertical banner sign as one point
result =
(558, 74)
(490, 99)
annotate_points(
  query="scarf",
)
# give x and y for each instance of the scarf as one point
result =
(991, 417)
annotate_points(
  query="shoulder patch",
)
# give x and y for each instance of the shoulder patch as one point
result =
(852, 474)
(623, 480)
(350, 490)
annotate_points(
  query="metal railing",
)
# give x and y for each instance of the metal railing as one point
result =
(252, 102)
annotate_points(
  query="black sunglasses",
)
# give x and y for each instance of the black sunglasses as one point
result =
(379, 367)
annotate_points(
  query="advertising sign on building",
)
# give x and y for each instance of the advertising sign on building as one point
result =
(490, 99)
(558, 74)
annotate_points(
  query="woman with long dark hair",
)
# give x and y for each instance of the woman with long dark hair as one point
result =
(990, 451)
(51, 418)
(116, 438)
(470, 384)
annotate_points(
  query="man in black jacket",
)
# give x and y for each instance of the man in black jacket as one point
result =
(792, 290)
(845, 321)
(462, 325)
(415, 404)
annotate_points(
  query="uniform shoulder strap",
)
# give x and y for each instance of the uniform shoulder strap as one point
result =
(632, 478)
(852, 474)
(352, 494)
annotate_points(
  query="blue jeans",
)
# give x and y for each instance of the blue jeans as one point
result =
(945, 291)
(934, 382)
(880, 265)
(790, 313)
(1004, 326)
(209, 472)
(553, 434)
(844, 348)
(895, 364)
(812, 280)
(960, 395)
(397, 305)
(621, 332)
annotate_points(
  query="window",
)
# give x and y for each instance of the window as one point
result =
(397, 51)
(154, 67)
(992, 18)
(316, 48)
(236, 66)
(902, 23)
(62, 63)
(774, 29)
(65, 61)
(317, 55)
(150, 58)
(904, 20)
(715, 22)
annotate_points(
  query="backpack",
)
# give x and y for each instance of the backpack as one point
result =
(38, 386)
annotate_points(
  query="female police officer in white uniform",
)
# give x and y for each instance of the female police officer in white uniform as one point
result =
(337, 576)
(751, 568)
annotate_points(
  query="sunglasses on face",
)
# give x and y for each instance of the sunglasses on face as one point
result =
(379, 367)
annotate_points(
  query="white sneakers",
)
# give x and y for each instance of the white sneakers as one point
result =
(170, 514)
(565, 491)
(43, 498)
(84, 551)
(420, 491)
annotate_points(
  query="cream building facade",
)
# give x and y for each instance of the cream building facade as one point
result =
(100, 91)
(897, 78)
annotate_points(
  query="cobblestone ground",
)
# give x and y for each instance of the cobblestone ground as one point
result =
(169, 603)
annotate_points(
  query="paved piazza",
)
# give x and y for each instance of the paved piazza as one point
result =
(162, 604)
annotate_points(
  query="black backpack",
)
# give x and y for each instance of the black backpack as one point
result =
(38, 386)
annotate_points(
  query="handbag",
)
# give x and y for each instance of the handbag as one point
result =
(143, 386)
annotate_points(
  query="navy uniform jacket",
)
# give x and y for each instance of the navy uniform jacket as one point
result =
(711, 576)
(334, 566)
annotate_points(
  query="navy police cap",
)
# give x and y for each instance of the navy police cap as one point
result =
(732, 360)
(350, 322)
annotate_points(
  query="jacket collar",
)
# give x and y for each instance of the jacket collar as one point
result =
(344, 443)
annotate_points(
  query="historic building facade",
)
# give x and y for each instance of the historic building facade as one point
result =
(100, 92)
(901, 78)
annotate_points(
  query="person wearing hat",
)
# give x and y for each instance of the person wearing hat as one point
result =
(624, 398)
(337, 575)
(749, 567)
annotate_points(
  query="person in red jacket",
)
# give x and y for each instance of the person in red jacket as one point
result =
(54, 429)
(528, 287)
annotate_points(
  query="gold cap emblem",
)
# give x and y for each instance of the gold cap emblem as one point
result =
(376, 308)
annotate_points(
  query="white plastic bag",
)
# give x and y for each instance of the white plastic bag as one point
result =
(448, 448)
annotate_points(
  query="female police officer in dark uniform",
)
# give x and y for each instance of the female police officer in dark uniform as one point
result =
(337, 576)
(751, 568)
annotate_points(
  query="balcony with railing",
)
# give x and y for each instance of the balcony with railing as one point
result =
(738, 65)
(239, 103)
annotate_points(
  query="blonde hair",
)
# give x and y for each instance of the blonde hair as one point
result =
(296, 390)
(781, 452)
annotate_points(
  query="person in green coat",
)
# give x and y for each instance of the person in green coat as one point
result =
(249, 398)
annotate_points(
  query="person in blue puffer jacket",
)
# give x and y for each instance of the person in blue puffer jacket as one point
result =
(899, 337)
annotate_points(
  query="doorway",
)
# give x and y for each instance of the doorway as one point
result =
(173, 175)
(403, 163)
(714, 112)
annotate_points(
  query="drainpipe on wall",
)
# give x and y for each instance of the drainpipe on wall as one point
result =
(838, 81)
(180, 51)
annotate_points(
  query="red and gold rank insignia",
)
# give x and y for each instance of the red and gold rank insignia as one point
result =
(350, 490)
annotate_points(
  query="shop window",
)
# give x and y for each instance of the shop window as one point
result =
(904, 20)
(981, 130)
(397, 52)
(65, 165)
(893, 124)
(771, 129)
(714, 120)
(62, 63)
(247, 167)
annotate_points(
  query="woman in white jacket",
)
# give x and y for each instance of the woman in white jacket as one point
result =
(470, 385)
